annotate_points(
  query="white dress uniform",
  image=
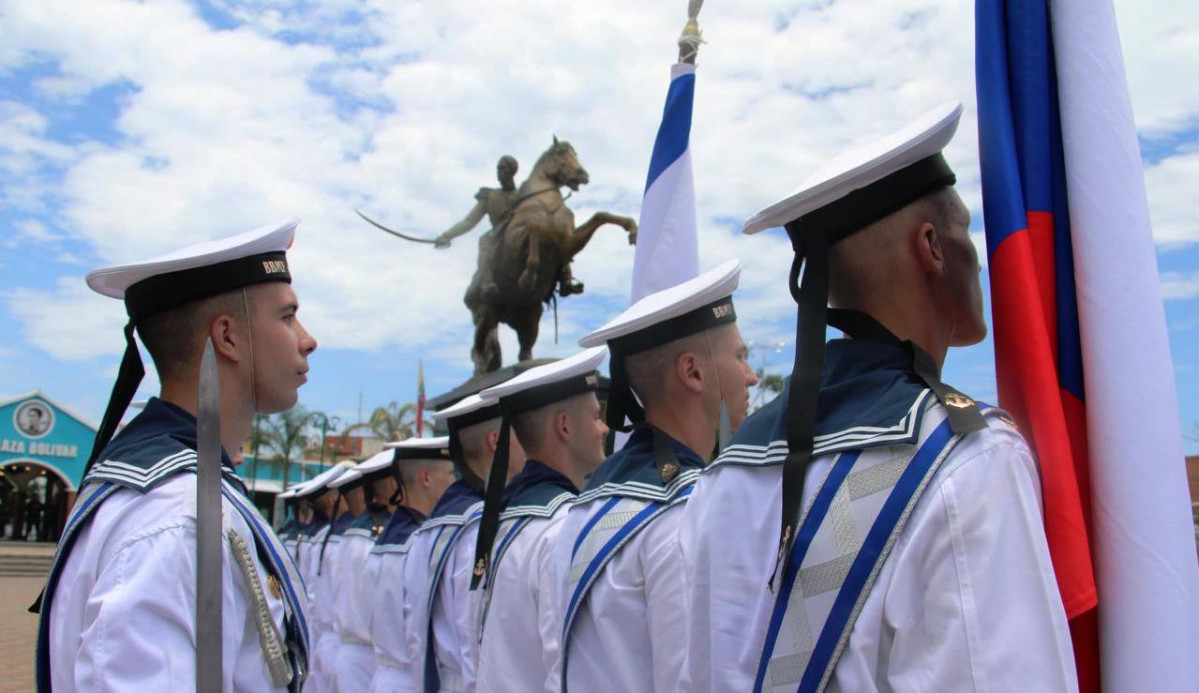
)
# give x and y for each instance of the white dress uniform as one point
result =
(327, 571)
(124, 619)
(619, 565)
(433, 548)
(354, 661)
(521, 624)
(393, 661)
(965, 602)
(623, 605)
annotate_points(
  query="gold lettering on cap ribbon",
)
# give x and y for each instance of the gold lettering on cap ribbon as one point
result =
(592, 380)
(274, 266)
(722, 310)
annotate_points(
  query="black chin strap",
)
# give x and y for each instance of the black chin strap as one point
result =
(811, 249)
(621, 401)
(493, 500)
(320, 560)
(129, 376)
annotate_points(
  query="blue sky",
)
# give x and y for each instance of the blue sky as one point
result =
(129, 128)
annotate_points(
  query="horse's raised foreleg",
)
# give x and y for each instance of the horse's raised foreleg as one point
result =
(583, 232)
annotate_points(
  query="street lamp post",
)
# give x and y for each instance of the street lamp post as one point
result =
(324, 421)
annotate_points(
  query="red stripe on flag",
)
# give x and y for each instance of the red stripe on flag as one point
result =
(1024, 314)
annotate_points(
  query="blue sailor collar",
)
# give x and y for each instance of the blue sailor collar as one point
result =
(344, 521)
(869, 396)
(156, 444)
(404, 521)
(631, 471)
(536, 486)
(456, 499)
(314, 525)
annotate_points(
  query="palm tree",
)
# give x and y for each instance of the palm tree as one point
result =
(393, 422)
(286, 435)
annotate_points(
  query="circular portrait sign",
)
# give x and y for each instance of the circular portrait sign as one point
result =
(34, 418)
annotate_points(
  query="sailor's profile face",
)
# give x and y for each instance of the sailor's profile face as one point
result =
(281, 345)
(590, 432)
(962, 271)
(734, 373)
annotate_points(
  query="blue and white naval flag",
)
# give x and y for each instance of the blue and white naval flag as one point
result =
(667, 248)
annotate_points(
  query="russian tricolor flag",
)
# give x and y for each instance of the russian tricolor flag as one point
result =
(1081, 348)
(667, 247)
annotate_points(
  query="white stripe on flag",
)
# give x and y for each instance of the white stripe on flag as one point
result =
(667, 249)
(1147, 571)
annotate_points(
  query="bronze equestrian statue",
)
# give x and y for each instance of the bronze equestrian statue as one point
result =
(527, 253)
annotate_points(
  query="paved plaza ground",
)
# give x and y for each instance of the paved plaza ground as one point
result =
(18, 632)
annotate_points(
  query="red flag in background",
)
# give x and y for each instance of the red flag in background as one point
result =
(1081, 351)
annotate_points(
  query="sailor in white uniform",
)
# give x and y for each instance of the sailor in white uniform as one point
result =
(119, 609)
(317, 492)
(555, 414)
(289, 533)
(873, 529)
(354, 656)
(444, 628)
(618, 561)
(425, 472)
(328, 572)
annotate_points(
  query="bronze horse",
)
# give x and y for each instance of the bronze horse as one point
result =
(532, 254)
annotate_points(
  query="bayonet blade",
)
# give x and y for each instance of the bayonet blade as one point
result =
(209, 569)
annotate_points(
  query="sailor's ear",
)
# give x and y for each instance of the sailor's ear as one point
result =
(226, 337)
(493, 441)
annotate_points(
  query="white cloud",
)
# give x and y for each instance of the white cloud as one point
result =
(1173, 205)
(71, 322)
(1180, 285)
(223, 130)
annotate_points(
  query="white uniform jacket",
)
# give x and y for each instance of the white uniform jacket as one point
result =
(393, 663)
(435, 563)
(120, 609)
(620, 572)
(964, 601)
(354, 658)
(520, 624)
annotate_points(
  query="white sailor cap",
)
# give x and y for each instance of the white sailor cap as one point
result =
(172, 280)
(845, 195)
(533, 389)
(376, 463)
(321, 481)
(866, 184)
(549, 383)
(693, 306)
(472, 407)
(200, 270)
(350, 480)
(420, 448)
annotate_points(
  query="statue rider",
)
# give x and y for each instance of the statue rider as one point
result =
(498, 204)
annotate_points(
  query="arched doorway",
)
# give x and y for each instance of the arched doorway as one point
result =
(34, 501)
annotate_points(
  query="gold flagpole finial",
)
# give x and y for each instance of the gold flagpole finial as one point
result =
(691, 37)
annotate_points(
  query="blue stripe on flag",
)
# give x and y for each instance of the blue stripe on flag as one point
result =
(675, 131)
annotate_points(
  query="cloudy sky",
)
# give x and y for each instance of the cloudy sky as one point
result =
(129, 128)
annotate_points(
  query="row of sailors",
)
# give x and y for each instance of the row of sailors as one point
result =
(871, 529)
